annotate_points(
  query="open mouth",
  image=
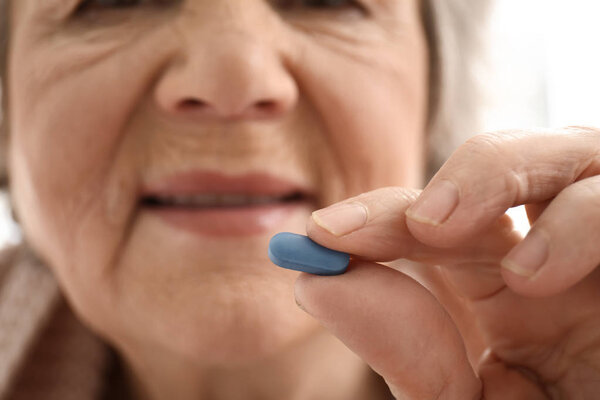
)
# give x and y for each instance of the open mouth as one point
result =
(210, 203)
(220, 200)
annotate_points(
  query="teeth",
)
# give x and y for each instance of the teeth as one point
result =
(217, 200)
(232, 200)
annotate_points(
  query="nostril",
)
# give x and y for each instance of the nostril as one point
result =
(260, 108)
(191, 104)
(266, 106)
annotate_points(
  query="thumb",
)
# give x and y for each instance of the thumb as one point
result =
(396, 326)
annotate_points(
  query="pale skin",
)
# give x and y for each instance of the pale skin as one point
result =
(509, 322)
(94, 113)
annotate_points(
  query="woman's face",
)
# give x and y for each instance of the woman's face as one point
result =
(143, 135)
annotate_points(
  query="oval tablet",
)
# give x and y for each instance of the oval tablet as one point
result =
(298, 252)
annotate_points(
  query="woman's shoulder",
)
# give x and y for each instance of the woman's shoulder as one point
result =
(21, 269)
(12, 255)
(27, 296)
(8, 254)
(41, 339)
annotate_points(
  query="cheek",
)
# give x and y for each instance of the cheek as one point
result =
(72, 173)
(375, 117)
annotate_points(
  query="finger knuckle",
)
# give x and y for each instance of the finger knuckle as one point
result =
(517, 185)
(488, 171)
(588, 134)
(589, 191)
(583, 130)
(392, 199)
(489, 144)
(402, 195)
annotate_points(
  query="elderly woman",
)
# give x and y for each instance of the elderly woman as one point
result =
(154, 147)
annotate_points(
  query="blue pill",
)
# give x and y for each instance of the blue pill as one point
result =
(298, 252)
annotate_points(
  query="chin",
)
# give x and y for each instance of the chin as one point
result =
(221, 319)
(235, 338)
(249, 345)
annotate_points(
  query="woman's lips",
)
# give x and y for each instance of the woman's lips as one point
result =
(211, 203)
(234, 221)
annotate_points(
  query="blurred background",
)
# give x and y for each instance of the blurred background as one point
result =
(542, 71)
(544, 64)
(543, 68)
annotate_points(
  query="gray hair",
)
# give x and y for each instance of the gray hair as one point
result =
(454, 28)
(4, 27)
(457, 31)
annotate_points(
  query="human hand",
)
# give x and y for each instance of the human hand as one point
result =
(485, 319)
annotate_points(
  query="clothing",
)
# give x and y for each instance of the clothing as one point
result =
(46, 353)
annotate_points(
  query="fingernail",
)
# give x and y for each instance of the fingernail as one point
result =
(435, 205)
(342, 219)
(527, 257)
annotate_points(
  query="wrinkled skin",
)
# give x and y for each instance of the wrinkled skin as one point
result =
(96, 112)
(107, 100)
(505, 321)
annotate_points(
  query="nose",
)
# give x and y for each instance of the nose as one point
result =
(226, 74)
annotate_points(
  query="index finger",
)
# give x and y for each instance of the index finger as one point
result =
(493, 172)
(373, 227)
